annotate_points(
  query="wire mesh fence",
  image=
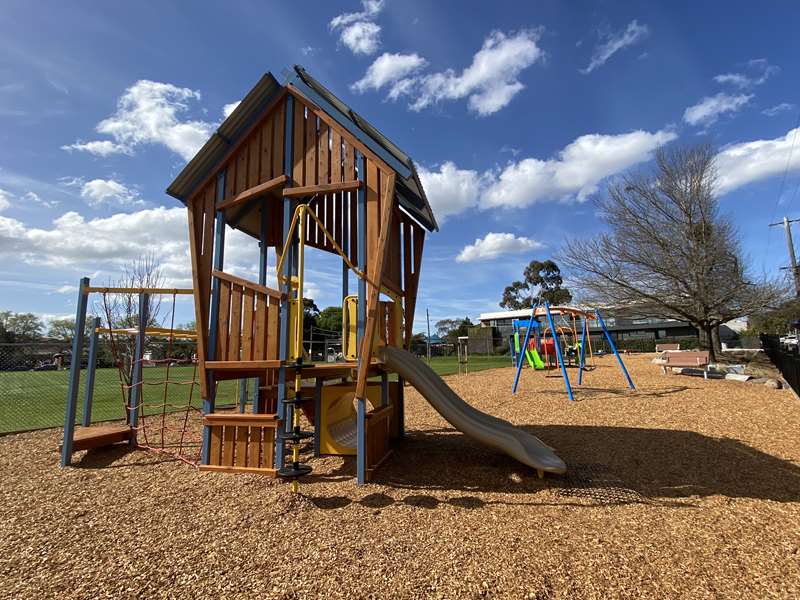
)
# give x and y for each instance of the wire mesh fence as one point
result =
(34, 378)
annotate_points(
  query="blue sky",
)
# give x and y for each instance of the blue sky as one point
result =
(516, 113)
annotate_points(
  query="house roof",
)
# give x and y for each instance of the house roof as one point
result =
(408, 189)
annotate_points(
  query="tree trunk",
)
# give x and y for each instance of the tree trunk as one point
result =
(716, 343)
(707, 341)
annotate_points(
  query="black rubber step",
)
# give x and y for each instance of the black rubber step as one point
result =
(294, 471)
(296, 436)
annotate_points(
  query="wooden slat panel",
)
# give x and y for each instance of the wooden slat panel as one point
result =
(298, 143)
(349, 162)
(353, 228)
(254, 447)
(373, 217)
(392, 270)
(329, 220)
(278, 139)
(230, 179)
(238, 470)
(272, 331)
(236, 323)
(247, 325)
(241, 446)
(323, 155)
(338, 216)
(215, 447)
(254, 160)
(223, 337)
(259, 341)
(267, 447)
(256, 287)
(240, 419)
(241, 169)
(310, 173)
(336, 157)
(228, 439)
(265, 163)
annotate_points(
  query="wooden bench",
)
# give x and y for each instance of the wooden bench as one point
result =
(667, 347)
(695, 359)
(86, 438)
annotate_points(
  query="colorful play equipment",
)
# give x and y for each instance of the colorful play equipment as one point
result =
(294, 168)
(558, 342)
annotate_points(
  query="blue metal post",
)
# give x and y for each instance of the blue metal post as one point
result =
(583, 350)
(559, 356)
(242, 395)
(136, 376)
(521, 353)
(283, 344)
(614, 349)
(361, 408)
(91, 367)
(317, 415)
(74, 374)
(213, 321)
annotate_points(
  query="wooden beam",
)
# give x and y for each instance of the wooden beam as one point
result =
(247, 284)
(323, 188)
(137, 290)
(374, 290)
(254, 192)
(241, 365)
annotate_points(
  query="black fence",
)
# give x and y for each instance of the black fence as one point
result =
(785, 358)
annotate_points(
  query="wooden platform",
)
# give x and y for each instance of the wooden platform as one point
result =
(86, 438)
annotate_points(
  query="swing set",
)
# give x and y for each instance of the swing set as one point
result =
(543, 349)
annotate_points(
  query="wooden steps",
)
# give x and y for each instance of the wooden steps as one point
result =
(98, 436)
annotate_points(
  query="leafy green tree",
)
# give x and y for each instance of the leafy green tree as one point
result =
(20, 327)
(64, 329)
(310, 317)
(330, 319)
(541, 279)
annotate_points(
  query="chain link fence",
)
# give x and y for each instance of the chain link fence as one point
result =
(34, 377)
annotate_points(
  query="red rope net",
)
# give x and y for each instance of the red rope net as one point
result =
(161, 404)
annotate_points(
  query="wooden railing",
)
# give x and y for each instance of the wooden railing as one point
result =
(241, 443)
(248, 320)
(377, 438)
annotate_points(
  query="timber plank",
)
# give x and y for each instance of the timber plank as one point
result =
(254, 447)
(247, 327)
(223, 338)
(310, 172)
(265, 164)
(298, 160)
(254, 160)
(215, 447)
(277, 138)
(272, 331)
(259, 345)
(234, 345)
(228, 440)
(242, 441)
(250, 193)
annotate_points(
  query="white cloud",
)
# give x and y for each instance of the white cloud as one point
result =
(632, 34)
(37, 199)
(66, 289)
(451, 190)
(778, 109)
(490, 82)
(497, 244)
(388, 69)
(100, 191)
(149, 113)
(760, 71)
(370, 10)
(357, 30)
(229, 108)
(743, 163)
(98, 147)
(362, 37)
(576, 171)
(5, 200)
(708, 110)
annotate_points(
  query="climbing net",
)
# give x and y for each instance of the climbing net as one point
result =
(157, 370)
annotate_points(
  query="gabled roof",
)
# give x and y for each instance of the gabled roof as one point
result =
(408, 189)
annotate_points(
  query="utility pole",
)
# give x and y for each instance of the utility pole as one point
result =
(790, 246)
(428, 317)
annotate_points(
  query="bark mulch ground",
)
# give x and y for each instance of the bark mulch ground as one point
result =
(684, 488)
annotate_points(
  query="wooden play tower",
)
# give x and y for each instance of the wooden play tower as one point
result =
(293, 167)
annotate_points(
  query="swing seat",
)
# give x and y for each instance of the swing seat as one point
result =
(86, 438)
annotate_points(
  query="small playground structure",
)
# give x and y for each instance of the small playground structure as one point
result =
(297, 170)
(554, 342)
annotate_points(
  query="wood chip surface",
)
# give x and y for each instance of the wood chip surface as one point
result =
(684, 488)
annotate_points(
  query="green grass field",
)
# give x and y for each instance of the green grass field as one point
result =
(36, 399)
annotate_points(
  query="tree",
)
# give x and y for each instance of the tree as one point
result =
(121, 311)
(451, 329)
(330, 320)
(778, 320)
(541, 279)
(669, 252)
(63, 329)
(20, 327)
(310, 317)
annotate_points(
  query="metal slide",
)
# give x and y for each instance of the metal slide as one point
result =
(489, 430)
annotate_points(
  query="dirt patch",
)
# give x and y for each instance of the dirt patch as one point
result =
(682, 488)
